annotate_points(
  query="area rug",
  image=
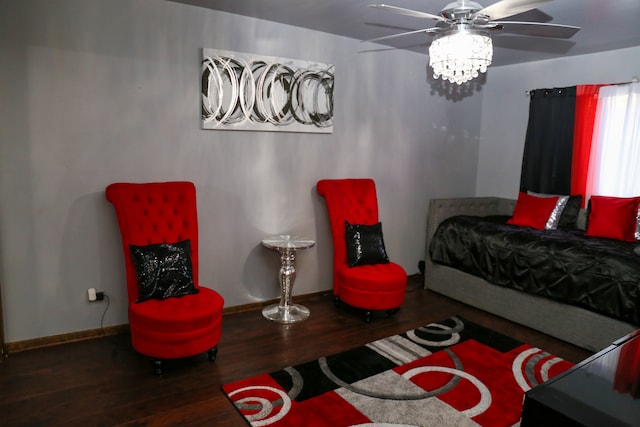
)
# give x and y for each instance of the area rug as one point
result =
(449, 373)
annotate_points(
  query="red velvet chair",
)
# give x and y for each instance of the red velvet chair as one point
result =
(369, 287)
(153, 218)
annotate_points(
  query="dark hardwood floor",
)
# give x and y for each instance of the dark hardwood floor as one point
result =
(103, 382)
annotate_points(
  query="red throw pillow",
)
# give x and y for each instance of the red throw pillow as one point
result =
(532, 211)
(613, 217)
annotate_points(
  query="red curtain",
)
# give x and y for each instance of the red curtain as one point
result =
(586, 104)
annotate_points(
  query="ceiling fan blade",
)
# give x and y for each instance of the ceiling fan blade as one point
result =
(407, 12)
(536, 29)
(506, 8)
(424, 30)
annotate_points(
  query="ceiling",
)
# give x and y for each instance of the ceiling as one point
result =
(605, 24)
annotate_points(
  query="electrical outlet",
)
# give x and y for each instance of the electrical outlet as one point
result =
(95, 295)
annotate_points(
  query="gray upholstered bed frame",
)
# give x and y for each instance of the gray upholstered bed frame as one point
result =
(573, 324)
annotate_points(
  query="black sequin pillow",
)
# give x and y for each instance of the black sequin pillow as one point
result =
(365, 244)
(569, 217)
(164, 270)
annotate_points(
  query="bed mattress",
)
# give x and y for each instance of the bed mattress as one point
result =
(599, 274)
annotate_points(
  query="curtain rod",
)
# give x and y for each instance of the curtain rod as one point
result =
(634, 79)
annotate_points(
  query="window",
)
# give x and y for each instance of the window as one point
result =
(614, 168)
(583, 140)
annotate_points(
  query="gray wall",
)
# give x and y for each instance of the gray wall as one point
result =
(505, 108)
(97, 91)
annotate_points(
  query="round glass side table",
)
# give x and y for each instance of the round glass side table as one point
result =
(285, 311)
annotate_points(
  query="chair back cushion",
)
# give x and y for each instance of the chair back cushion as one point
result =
(353, 200)
(151, 213)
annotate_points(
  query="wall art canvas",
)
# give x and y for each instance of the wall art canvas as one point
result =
(242, 91)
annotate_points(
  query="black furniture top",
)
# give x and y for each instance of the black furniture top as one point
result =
(604, 390)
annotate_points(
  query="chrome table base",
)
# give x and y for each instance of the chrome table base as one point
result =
(286, 311)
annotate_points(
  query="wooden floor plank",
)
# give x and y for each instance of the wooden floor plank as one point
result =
(103, 382)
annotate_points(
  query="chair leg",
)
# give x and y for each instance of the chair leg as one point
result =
(212, 354)
(367, 316)
(392, 311)
(157, 367)
(336, 300)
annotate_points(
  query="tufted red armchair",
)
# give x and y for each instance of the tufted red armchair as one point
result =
(368, 287)
(173, 327)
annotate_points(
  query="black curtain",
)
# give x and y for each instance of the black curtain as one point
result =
(546, 162)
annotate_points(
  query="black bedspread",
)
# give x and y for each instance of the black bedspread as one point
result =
(602, 275)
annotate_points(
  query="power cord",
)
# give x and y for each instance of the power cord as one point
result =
(104, 312)
(112, 340)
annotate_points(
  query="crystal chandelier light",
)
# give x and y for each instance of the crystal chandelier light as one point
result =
(461, 55)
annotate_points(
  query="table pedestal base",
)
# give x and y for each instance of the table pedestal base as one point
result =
(286, 311)
(285, 314)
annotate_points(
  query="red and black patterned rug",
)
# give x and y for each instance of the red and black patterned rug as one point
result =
(449, 373)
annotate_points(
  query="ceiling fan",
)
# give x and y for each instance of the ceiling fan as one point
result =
(462, 46)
